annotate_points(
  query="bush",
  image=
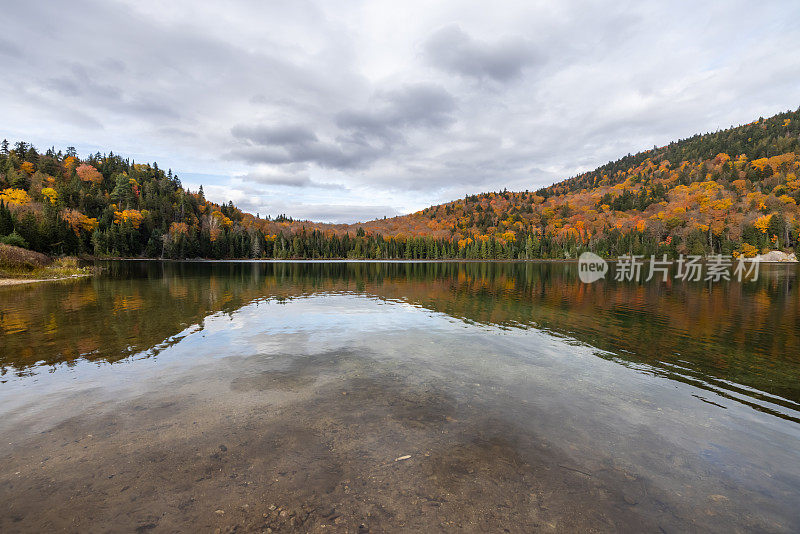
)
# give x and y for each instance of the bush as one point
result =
(14, 239)
(748, 250)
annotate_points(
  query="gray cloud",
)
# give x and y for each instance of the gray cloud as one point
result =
(281, 135)
(453, 50)
(414, 106)
(282, 179)
(288, 180)
(326, 155)
(84, 82)
(9, 49)
(357, 136)
(79, 82)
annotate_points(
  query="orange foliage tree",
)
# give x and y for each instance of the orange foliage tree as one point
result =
(87, 173)
(78, 221)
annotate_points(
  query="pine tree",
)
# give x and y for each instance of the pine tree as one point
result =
(6, 220)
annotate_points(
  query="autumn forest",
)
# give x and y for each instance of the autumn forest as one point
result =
(732, 192)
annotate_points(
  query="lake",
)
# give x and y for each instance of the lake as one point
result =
(398, 396)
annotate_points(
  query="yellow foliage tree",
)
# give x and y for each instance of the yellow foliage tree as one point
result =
(18, 197)
(133, 216)
(69, 163)
(748, 250)
(762, 223)
(509, 236)
(223, 220)
(50, 194)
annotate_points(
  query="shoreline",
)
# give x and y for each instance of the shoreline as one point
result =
(18, 281)
(392, 260)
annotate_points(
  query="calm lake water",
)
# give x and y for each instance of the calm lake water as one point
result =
(371, 397)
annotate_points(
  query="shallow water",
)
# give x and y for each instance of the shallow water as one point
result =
(279, 395)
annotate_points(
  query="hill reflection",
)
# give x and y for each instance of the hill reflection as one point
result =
(729, 336)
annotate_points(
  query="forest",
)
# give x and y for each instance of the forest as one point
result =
(732, 192)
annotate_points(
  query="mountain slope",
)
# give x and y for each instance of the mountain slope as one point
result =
(706, 194)
(733, 192)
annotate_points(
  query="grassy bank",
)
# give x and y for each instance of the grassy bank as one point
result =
(26, 265)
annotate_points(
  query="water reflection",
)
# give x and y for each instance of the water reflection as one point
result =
(740, 340)
(522, 400)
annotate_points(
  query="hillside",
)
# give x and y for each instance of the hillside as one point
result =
(735, 190)
(732, 192)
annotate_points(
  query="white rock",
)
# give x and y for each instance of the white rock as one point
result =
(776, 256)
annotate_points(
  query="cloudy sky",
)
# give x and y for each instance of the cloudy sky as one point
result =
(345, 111)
